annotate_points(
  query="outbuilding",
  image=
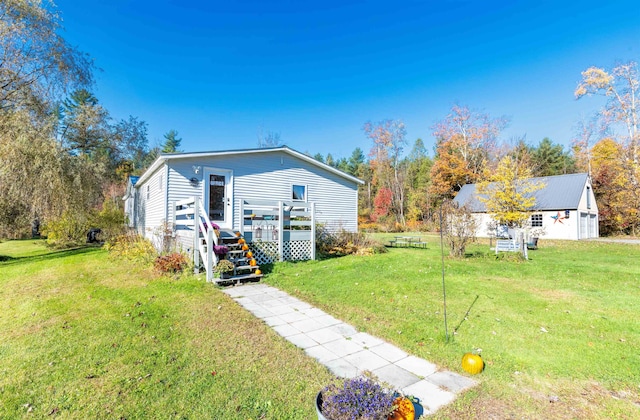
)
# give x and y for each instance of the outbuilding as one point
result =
(565, 208)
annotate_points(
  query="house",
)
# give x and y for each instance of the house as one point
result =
(565, 208)
(253, 192)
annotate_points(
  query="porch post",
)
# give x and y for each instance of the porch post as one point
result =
(313, 231)
(210, 262)
(280, 230)
(242, 220)
(196, 235)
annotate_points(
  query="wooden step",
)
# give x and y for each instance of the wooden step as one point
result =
(247, 267)
(240, 278)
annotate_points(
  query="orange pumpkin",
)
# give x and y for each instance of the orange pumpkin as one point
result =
(249, 254)
(245, 247)
(472, 363)
(252, 262)
(404, 409)
(238, 234)
(241, 241)
(257, 272)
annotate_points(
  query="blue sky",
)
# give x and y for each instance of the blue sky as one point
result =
(315, 72)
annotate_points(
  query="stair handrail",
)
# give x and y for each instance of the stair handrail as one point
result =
(206, 227)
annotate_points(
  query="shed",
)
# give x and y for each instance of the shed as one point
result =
(565, 208)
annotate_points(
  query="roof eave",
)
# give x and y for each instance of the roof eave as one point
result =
(171, 156)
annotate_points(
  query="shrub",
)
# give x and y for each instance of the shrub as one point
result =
(341, 242)
(110, 220)
(171, 263)
(69, 229)
(132, 247)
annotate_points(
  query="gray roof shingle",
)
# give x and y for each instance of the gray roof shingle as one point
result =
(561, 192)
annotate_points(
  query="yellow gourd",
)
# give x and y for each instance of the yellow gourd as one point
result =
(257, 272)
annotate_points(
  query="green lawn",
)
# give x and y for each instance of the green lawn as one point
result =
(85, 336)
(560, 333)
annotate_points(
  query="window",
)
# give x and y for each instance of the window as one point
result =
(148, 192)
(588, 197)
(536, 220)
(299, 192)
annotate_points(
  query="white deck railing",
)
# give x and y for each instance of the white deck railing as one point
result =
(190, 215)
(278, 222)
(277, 230)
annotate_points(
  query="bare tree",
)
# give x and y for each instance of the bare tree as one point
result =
(268, 139)
(459, 227)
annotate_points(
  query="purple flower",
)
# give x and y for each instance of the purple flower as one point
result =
(213, 225)
(357, 398)
(220, 249)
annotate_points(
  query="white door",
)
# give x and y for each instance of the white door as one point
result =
(593, 223)
(584, 233)
(218, 196)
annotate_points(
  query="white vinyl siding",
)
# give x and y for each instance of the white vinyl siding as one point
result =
(255, 176)
(151, 206)
(270, 176)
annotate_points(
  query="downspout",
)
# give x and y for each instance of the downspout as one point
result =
(166, 193)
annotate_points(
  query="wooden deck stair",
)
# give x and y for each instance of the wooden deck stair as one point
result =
(243, 271)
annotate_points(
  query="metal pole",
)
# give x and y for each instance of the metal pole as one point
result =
(444, 291)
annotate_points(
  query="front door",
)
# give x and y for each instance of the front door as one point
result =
(218, 196)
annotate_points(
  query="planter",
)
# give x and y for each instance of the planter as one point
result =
(417, 409)
(319, 406)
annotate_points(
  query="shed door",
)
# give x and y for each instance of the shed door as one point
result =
(584, 232)
(593, 226)
(219, 197)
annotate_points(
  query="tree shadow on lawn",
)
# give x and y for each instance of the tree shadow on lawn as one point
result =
(8, 260)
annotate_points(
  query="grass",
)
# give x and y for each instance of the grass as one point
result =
(559, 333)
(83, 336)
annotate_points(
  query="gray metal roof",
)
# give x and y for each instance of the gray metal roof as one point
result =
(561, 192)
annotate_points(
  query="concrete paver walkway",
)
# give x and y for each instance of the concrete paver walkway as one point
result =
(347, 352)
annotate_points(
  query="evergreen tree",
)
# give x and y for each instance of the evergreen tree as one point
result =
(551, 159)
(171, 143)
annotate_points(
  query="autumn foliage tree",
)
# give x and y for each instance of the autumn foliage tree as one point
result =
(610, 186)
(388, 138)
(465, 144)
(508, 191)
(620, 87)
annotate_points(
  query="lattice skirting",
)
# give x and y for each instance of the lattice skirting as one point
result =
(297, 250)
(267, 252)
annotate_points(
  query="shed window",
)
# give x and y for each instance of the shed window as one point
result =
(588, 197)
(299, 192)
(536, 220)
